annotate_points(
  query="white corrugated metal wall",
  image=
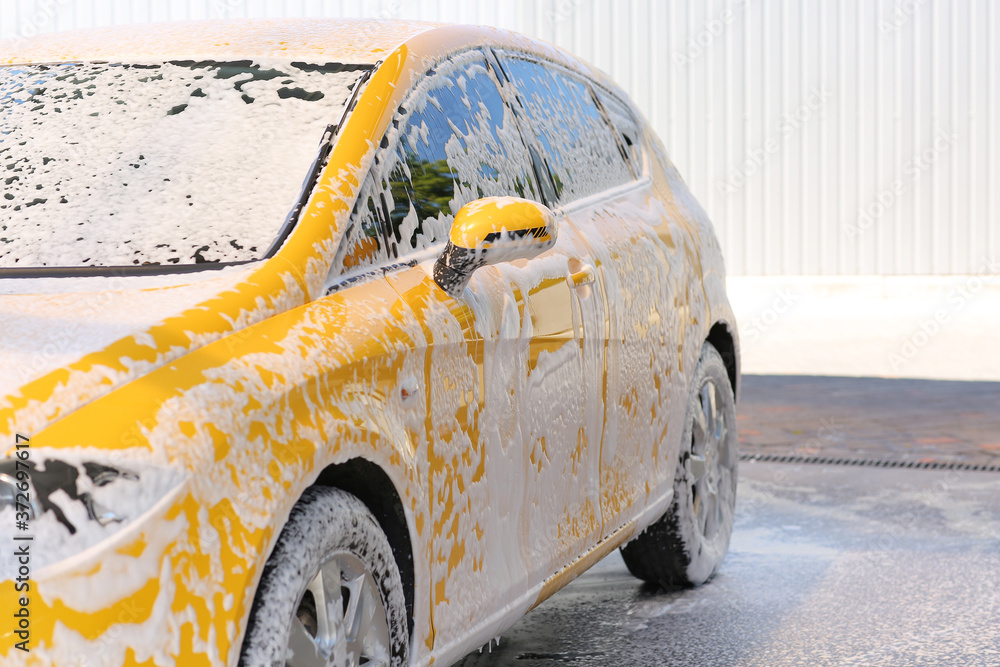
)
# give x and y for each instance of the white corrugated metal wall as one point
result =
(823, 136)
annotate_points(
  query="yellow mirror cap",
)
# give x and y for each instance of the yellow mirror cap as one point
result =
(478, 220)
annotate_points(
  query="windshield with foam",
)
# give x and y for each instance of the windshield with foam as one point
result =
(171, 163)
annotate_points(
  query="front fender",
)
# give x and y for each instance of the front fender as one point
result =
(250, 421)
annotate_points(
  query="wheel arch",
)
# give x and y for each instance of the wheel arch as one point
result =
(370, 484)
(723, 340)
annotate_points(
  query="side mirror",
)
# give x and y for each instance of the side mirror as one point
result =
(493, 230)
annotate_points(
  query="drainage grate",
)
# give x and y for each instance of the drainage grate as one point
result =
(872, 463)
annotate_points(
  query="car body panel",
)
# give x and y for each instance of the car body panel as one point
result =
(46, 327)
(251, 391)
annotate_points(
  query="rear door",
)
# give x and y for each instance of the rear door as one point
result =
(597, 174)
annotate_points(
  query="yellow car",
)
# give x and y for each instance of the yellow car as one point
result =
(341, 343)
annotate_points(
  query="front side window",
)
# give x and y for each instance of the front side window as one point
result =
(168, 163)
(580, 147)
(454, 140)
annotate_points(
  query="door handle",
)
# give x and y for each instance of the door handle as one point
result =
(584, 276)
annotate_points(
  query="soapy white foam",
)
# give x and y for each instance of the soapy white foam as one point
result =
(156, 164)
(49, 323)
(55, 544)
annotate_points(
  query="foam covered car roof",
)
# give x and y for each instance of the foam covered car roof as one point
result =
(356, 41)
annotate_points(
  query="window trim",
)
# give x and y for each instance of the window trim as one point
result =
(612, 192)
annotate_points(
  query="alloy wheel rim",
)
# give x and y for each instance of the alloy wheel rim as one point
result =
(710, 460)
(340, 620)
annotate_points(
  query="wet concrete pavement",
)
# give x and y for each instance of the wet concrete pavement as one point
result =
(829, 564)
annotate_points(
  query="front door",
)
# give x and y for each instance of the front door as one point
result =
(550, 401)
(503, 383)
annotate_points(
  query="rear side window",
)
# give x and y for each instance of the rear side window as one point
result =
(454, 140)
(582, 150)
(629, 136)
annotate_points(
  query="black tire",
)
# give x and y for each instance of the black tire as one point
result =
(332, 530)
(687, 545)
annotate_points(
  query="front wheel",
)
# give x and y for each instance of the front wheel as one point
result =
(688, 544)
(330, 594)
